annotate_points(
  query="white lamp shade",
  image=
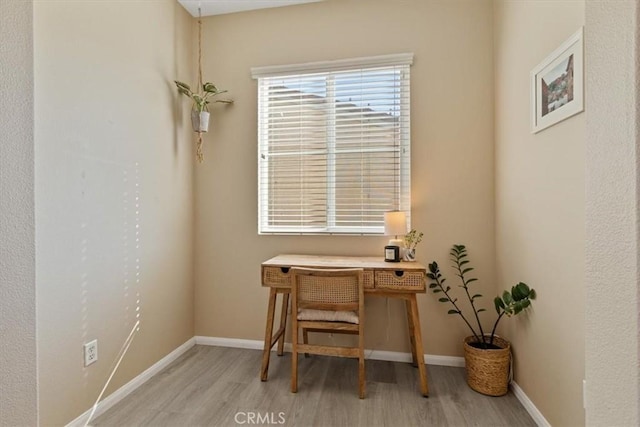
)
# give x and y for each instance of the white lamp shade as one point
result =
(395, 223)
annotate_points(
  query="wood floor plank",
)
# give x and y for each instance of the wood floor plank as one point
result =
(216, 386)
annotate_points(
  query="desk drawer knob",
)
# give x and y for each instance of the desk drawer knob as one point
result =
(399, 273)
(285, 270)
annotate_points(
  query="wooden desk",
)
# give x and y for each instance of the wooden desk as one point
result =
(402, 280)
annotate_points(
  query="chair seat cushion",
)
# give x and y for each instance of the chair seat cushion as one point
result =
(328, 316)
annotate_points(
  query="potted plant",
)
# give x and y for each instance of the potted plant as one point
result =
(487, 356)
(411, 240)
(201, 100)
(200, 109)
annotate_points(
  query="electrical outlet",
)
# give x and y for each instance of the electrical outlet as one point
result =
(90, 352)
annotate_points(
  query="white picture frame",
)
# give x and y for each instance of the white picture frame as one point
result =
(557, 84)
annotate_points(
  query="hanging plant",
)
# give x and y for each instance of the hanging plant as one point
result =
(201, 98)
(200, 111)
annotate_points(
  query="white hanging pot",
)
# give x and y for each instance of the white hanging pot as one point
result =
(200, 121)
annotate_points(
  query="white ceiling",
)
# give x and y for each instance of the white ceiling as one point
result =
(220, 7)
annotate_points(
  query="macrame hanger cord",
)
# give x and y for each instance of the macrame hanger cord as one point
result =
(199, 153)
(199, 46)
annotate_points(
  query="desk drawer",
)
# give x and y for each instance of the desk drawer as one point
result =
(281, 277)
(400, 280)
(276, 276)
(367, 278)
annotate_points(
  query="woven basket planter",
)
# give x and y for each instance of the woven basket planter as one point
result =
(488, 370)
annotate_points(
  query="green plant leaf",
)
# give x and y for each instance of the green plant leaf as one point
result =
(497, 302)
(182, 85)
(472, 280)
(210, 87)
(184, 91)
(516, 293)
(466, 270)
(453, 312)
(443, 299)
(435, 291)
(476, 296)
(431, 276)
(532, 294)
(432, 285)
(506, 296)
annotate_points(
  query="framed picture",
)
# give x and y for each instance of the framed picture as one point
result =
(557, 85)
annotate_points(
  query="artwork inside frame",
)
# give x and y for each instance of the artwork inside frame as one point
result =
(557, 85)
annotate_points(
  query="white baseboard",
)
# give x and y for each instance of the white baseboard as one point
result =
(435, 359)
(230, 342)
(129, 387)
(391, 356)
(537, 416)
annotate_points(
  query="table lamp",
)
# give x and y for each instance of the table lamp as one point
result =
(395, 224)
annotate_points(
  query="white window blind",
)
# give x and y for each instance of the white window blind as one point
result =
(333, 145)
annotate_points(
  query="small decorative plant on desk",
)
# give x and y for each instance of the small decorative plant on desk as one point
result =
(411, 240)
(487, 356)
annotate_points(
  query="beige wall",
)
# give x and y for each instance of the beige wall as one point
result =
(452, 153)
(540, 233)
(18, 371)
(110, 132)
(613, 136)
(90, 57)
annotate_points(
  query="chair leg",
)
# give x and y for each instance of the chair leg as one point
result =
(305, 339)
(294, 355)
(361, 371)
(361, 376)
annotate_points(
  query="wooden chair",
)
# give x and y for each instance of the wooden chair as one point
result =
(327, 301)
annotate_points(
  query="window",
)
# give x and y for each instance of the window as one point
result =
(333, 145)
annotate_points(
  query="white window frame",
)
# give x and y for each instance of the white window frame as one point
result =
(404, 178)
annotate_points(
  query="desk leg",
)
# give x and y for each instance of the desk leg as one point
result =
(264, 372)
(283, 322)
(414, 359)
(417, 338)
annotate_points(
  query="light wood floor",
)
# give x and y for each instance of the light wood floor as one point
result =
(216, 386)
